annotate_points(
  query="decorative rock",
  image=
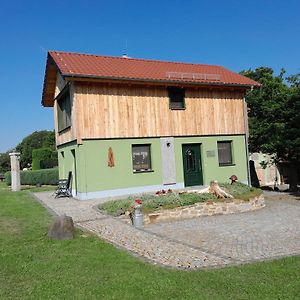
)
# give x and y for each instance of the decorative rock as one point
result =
(62, 228)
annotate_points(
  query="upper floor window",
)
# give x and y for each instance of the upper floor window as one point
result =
(64, 110)
(141, 158)
(225, 153)
(176, 97)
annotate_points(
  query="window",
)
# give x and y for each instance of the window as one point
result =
(141, 158)
(176, 97)
(64, 110)
(225, 153)
(190, 160)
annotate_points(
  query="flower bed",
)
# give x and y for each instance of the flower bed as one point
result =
(205, 209)
(171, 200)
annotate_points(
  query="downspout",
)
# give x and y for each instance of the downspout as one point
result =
(247, 138)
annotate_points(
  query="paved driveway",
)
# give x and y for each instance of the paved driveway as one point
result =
(271, 232)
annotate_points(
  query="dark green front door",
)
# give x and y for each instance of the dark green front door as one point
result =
(192, 164)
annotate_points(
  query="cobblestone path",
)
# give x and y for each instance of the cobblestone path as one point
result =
(273, 231)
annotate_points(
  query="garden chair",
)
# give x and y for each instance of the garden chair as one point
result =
(64, 187)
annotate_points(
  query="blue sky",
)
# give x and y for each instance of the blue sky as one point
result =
(236, 34)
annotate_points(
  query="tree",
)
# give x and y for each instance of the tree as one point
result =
(291, 138)
(4, 162)
(274, 118)
(35, 140)
(50, 140)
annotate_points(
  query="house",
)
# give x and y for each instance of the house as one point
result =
(128, 126)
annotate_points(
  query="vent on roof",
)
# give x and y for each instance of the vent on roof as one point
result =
(193, 76)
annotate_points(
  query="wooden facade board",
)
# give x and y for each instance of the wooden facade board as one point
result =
(119, 111)
(71, 133)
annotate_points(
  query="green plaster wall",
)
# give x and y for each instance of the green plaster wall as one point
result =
(93, 174)
(67, 163)
(210, 165)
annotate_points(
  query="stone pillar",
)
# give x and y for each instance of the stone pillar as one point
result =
(15, 171)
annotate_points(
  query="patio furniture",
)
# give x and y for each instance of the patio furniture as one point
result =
(64, 187)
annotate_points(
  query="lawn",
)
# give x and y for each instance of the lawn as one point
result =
(169, 200)
(34, 267)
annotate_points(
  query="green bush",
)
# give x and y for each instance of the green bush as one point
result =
(48, 163)
(7, 176)
(240, 190)
(43, 158)
(47, 176)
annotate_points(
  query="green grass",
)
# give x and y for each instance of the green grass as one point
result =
(43, 188)
(34, 267)
(168, 201)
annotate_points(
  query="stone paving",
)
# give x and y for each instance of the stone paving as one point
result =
(271, 232)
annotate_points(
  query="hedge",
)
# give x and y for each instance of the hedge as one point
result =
(46, 176)
(43, 158)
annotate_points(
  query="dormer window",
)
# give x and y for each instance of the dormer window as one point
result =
(64, 109)
(176, 98)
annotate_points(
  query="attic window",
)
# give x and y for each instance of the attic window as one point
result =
(64, 110)
(176, 98)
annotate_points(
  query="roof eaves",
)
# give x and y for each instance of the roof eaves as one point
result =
(46, 78)
(149, 80)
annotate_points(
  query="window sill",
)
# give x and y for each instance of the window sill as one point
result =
(64, 130)
(226, 165)
(182, 108)
(142, 171)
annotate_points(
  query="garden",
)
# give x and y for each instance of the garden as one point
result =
(35, 267)
(168, 199)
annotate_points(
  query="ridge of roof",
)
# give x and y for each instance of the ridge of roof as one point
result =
(137, 59)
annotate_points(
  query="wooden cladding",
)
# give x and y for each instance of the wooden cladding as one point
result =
(111, 111)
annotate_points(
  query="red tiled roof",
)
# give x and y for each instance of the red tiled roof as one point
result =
(71, 64)
(121, 68)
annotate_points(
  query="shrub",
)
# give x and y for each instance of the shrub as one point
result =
(116, 207)
(151, 202)
(43, 158)
(172, 200)
(48, 163)
(240, 190)
(47, 176)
